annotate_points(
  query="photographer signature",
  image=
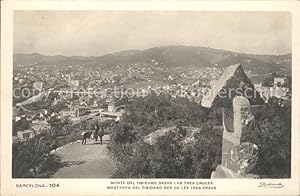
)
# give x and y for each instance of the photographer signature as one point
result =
(270, 185)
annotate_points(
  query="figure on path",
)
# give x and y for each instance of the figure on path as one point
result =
(101, 134)
(96, 132)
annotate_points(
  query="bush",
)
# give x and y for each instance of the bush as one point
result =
(272, 135)
(32, 157)
(168, 158)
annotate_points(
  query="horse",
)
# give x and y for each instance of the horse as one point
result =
(86, 135)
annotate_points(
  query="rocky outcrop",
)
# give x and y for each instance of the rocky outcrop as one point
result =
(235, 93)
(186, 134)
(247, 155)
(233, 82)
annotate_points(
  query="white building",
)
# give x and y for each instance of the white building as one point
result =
(279, 80)
(111, 107)
(75, 83)
(38, 85)
(26, 134)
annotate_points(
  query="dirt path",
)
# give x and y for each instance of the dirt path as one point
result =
(85, 161)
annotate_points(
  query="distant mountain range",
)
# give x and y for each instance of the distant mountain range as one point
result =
(169, 56)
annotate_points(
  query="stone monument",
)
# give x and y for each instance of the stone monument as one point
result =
(235, 93)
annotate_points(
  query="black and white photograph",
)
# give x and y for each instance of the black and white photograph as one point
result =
(151, 94)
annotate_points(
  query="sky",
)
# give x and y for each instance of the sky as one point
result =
(95, 33)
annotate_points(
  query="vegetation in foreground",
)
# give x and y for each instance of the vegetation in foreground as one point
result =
(32, 158)
(169, 157)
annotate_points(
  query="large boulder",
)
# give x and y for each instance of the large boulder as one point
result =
(233, 82)
(186, 134)
(247, 156)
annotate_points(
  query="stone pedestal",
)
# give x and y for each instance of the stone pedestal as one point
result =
(223, 172)
(237, 158)
(234, 92)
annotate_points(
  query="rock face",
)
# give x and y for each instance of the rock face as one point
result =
(247, 155)
(186, 134)
(233, 82)
(235, 93)
(240, 118)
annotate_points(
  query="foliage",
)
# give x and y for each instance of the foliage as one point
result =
(169, 157)
(32, 157)
(269, 81)
(272, 135)
(43, 103)
(58, 107)
(65, 131)
(21, 93)
(152, 112)
(20, 125)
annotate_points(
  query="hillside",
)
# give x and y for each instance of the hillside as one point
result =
(169, 56)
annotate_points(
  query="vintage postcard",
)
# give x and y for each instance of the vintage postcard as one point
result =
(150, 98)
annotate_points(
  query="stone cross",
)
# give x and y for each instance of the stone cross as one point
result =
(241, 117)
(237, 158)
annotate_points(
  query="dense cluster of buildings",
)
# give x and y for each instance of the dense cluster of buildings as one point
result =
(39, 121)
(278, 89)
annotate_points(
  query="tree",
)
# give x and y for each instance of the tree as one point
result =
(168, 157)
(32, 154)
(272, 134)
(20, 125)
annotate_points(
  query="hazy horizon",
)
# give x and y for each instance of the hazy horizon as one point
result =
(96, 33)
(28, 53)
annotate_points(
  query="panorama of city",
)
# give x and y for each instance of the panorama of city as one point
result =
(167, 111)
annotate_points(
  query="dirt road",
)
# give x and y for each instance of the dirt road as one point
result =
(85, 161)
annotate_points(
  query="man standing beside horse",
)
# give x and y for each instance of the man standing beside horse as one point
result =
(99, 131)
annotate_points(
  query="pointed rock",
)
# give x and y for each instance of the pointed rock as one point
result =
(233, 82)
